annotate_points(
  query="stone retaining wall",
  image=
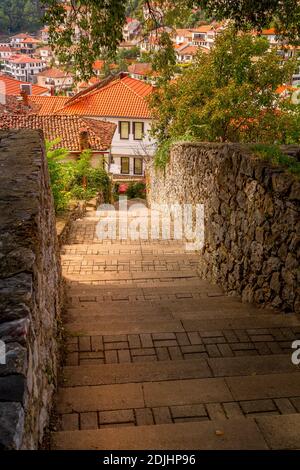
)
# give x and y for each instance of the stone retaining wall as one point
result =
(252, 223)
(30, 281)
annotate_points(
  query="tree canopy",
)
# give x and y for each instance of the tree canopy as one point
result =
(20, 15)
(229, 95)
(89, 28)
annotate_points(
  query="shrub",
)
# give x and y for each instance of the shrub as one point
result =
(274, 154)
(136, 190)
(74, 179)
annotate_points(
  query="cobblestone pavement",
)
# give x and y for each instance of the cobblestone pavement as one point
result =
(157, 358)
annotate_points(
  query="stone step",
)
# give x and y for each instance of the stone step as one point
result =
(103, 374)
(142, 395)
(232, 434)
(122, 248)
(111, 259)
(174, 287)
(81, 328)
(126, 312)
(77, 315)
(132, 275)
(131, 326)
(111, 303)
(172, 393)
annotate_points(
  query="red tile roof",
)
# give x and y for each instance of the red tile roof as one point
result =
(48, 104)
(31, 40)
(19, 36)
(192, 50)
(269, 32)
(99, 64)
(23, 59)
(68, 128)
(13, 87)
(140, 68)
(203, 29)
(120, 96)
(54, 73)
(183, 32)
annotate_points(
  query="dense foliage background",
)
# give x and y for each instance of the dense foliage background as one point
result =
(20, 16)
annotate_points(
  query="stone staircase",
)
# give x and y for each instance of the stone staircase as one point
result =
(159, 359)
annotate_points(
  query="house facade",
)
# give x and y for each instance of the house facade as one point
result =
(55, 80)
(5, 51)
(23, 67)
(75, 133)
(123, 101)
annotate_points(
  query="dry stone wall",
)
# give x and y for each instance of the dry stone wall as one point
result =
(252, 223)
(30, 283)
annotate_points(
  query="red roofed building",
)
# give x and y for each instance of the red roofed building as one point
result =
(270, 34)
(55, 79)
(47, 105)
(187, 53)
(12, 87)
(70, 129)
(123, 101)
(23, 67)
(142, 71)
(5, 51)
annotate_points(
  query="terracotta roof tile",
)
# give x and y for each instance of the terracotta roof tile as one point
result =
(120, 96)
(22, 59)
(54, 73)
(68, 128)
(48, 104)
(13, 87)
(192, 50)
(140, 68)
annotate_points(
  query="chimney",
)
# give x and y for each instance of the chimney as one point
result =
(24, 95)
(84, 139)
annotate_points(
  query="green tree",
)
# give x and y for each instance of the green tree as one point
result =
(228, 95)
(20, 15)
(164, 60)
(259, 14)
(90, 28)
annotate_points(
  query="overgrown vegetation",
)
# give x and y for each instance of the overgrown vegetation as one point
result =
(274, 154)
(228, 95)
(74, 179)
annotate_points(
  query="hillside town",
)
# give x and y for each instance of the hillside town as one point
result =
(33, 82)
(150, 231)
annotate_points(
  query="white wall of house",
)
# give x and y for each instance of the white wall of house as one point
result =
(5, 54)
(130, 147)
(58, 83)
(23, 71)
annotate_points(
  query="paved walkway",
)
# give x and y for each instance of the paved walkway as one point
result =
(159, 359)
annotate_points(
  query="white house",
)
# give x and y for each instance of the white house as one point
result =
(45, 53)
(182, 36)
(270, 34)
(24, 44)
(131, 29)
(22, 67)
(55, 79)
(5, 51)
(123, 101)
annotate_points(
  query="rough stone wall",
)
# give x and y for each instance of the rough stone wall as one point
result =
(29, 290)
(252, 223)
